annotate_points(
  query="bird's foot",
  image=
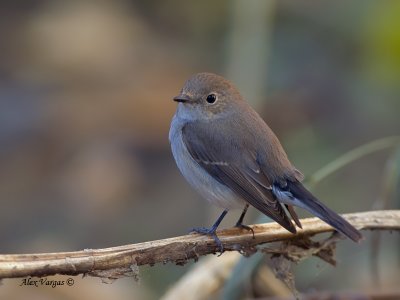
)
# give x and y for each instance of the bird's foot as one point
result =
(245, 227)
(211, 232)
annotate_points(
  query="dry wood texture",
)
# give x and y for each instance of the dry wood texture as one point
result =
(123, 261)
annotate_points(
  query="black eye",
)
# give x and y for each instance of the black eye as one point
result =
(211, 98)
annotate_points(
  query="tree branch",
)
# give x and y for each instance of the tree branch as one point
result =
(123, 261)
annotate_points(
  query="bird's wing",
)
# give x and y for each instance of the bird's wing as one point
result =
(234, 165)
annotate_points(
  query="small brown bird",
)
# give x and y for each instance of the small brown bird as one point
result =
(228, 154)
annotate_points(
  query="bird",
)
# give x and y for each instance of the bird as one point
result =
(232, 158)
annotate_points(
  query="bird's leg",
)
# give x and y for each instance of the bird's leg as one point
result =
(240, 224)
(212, 231)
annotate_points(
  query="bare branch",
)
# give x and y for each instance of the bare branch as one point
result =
(123, 261)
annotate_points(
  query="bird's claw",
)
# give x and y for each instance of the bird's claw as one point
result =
(245, 227)
(211, 232)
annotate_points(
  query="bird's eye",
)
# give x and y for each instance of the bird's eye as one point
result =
(211, 98)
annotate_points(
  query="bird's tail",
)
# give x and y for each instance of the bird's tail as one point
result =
(314, 206)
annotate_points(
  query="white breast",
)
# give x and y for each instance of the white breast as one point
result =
(198, 178)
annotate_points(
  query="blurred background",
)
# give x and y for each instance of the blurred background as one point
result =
(86, 92)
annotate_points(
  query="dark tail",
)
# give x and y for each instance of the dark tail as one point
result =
(317, 208)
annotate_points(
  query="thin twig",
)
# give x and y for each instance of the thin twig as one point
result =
(122, 261)
(351, 156)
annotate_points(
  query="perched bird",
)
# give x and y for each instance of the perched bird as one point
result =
(229, 155)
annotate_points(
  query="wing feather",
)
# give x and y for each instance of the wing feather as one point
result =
(238, 170)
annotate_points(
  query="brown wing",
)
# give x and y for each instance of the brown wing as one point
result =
(233, 164)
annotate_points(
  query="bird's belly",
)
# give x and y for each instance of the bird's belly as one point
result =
(208, 187)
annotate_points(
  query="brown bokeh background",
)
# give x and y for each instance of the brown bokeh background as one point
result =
(85, 108)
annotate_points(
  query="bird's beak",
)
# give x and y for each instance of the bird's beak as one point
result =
(182, 98)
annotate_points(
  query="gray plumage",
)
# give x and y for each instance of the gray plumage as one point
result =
(231, 157)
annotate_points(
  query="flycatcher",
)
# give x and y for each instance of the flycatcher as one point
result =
(229, 155)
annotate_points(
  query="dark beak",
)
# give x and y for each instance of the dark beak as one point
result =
(182, 98)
